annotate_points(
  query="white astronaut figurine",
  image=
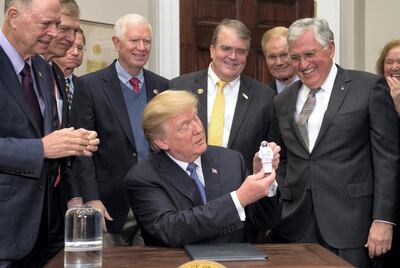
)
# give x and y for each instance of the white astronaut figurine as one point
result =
(266, 155)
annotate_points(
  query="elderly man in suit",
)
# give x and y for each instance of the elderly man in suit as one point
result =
(111, 101)
(275, 49)
(27, 140)
(189, 192)
(341, 134)
(236, 110)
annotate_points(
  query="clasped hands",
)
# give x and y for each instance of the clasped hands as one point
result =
(70, 142)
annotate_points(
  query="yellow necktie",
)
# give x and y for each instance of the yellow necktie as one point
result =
(216, 128)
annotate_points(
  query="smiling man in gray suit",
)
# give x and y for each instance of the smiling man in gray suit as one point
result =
(341, 134)
(245, 103)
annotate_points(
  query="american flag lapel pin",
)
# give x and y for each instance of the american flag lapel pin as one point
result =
(214, 171)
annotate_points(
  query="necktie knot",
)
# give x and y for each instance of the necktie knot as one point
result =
(191, 168)
(221, 84)
(26, 71)
(135, 83)
(67, 81)
(314, 91)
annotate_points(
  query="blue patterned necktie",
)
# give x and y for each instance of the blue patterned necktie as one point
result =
(192, 169)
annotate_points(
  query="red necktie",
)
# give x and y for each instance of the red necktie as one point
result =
(135, 84)
(30, 94)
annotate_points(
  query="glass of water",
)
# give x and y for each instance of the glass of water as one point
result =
(83, 237)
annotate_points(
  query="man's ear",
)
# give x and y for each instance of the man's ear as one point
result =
(160, 142)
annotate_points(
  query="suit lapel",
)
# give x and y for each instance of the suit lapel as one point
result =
(44, 83)
(178, 178)
(212, 177)
(112, 89)
(200, 90)
(245, 98)
(152, 86)
(339, 91)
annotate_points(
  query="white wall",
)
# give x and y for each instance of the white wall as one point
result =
(382, 25)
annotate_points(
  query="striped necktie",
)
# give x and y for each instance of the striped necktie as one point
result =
(216, 128)
(302, 119)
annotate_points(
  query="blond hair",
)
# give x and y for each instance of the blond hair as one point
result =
(161, 108)
(273, 32)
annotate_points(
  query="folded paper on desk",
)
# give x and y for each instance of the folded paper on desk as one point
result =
(225, 252)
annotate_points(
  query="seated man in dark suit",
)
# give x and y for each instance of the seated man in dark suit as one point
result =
(188, 192)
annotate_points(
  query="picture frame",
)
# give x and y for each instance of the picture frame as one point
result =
(100, 51)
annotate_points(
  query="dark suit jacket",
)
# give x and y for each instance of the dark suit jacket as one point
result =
(99, 105)
(60, 81)
(273, 86)
(352, 171)
(23, 170)
(168, 206)
(253, 116)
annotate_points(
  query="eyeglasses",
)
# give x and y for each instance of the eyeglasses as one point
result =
(80, 48)
(308, 56)
(274, 58)
(228, 50)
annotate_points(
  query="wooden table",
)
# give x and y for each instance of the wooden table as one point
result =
(280, 255)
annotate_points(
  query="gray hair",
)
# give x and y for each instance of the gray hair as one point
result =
(8, 3)
(132, 18)
(323, 34)
(70, 8)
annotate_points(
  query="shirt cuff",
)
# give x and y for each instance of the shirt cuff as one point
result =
(385, 221)
(239, 208)
(273, 189)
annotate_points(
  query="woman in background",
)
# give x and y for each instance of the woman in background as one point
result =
(388, 65)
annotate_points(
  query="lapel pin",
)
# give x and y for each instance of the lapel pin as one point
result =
(245, 96)
(155, 91)
(214, 171)
(342, 88)
(200, 91)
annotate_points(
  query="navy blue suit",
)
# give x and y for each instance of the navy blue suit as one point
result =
(24, 174)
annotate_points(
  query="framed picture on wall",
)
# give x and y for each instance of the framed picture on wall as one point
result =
(100, 51)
